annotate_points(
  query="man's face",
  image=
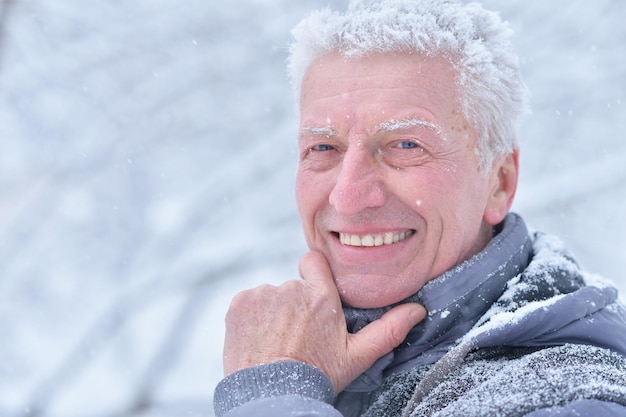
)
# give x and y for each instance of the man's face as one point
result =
(388, 185)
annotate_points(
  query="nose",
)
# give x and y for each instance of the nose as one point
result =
(359, 184)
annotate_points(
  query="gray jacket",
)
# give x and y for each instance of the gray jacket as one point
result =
(518, 330)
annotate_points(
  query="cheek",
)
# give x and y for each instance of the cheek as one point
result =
(422, 191)
(302, 194)
(304, 209)
(311, 197)
(471, 201)
(441, 194)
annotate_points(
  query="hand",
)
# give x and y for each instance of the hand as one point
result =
(303, 321)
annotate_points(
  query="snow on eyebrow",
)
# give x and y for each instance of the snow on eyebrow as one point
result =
(318, 131)
(391, 125)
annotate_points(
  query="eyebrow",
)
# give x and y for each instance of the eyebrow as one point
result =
(391, 125)
(387, 126)
(319, 131)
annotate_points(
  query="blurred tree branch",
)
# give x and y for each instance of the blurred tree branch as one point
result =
(102, 332)
(5, 10)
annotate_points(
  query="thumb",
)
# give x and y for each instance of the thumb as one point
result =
(383, 335)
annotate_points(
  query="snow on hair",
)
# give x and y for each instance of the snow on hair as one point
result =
(475, 40)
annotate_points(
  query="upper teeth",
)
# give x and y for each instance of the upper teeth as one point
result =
(374, 240)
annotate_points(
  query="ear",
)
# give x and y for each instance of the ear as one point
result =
(503, 184)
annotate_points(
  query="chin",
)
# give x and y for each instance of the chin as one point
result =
(358, 297)
(375, 290)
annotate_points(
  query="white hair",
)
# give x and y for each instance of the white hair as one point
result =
(476, 41)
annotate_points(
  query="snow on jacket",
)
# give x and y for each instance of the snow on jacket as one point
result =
(517, 330)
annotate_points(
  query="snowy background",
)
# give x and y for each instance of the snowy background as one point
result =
(147, 154)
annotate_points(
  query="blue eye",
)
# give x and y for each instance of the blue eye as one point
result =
(405, 153)
(407, 145)
(322, 147)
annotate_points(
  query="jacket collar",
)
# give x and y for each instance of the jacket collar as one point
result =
(455, 301)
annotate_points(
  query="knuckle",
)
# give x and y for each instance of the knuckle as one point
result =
(291, 286)
(241, 299)
(245, 300)
(395, 334)
(390, 335)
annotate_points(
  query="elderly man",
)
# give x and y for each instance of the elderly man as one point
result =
(422, 295)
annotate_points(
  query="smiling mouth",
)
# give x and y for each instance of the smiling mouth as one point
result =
(388, 238)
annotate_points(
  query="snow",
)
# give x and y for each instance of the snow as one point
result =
(477, 39)
(147, 155)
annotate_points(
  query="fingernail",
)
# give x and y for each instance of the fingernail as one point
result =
(417, 314)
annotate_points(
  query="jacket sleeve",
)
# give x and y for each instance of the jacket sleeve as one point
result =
(279, 389)
(582, 408)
